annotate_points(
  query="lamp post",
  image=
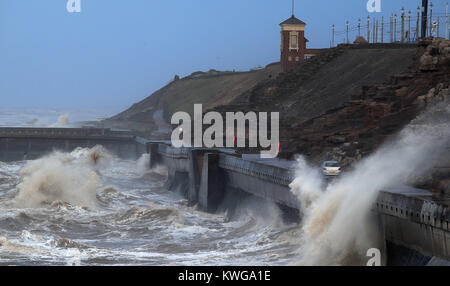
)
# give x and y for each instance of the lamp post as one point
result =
(424, 18)
(431, 20)
(446, 21)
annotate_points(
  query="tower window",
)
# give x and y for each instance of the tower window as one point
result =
(293, 41)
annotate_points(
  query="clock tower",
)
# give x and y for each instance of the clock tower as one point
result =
(293, 43)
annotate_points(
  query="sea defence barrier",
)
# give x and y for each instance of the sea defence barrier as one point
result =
(205, 176)
(414, 222)
(415, 225)
(31, 143)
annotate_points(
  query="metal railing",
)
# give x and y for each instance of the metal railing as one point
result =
(402, 27)
(61, 132)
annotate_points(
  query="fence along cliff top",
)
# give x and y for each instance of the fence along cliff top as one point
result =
(404, 27)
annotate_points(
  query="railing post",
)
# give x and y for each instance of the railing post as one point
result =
(332, 37)
(391, 32)
(409, 26)
(395, 27)
(431, 20)
(359, 27)
(347, 40)
(418, 24)
(403, 25)
(374, 30)
(438, 25)
(376, 37)
(446, 21)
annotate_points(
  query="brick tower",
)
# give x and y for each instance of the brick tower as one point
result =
(293, 43)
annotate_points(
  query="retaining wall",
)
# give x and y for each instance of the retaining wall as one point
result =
(31, 143)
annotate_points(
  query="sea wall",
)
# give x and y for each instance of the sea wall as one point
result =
(31, 143)
(414, 222)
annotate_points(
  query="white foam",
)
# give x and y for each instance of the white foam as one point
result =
(337, 227)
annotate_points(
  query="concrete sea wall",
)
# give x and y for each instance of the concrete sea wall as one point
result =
(31, 143)
(414, 222)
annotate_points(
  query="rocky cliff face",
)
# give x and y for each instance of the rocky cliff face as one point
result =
(342, 103)
(346, 102)
(359, 126)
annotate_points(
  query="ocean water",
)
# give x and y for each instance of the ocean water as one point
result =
(66, 210)
(88, 207)
(37, 117)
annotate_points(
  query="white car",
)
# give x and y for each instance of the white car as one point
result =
(331, 168)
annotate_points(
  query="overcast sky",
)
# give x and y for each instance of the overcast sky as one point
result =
(117, 52)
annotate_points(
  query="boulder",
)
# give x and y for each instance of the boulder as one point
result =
(360, 41)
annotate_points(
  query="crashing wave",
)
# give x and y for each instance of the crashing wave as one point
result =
(62, 177)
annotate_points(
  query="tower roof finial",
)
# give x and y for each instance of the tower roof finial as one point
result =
(293, 7)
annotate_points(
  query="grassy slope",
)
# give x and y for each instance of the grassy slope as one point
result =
(209, 89)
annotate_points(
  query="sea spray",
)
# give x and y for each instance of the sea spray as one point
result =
(62, 177)
(33, 121)
(307, 184)
(337, 227)
(143, 167)
(63, 120)
(97, 156)
(143, 164)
